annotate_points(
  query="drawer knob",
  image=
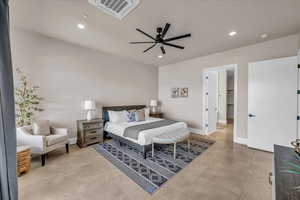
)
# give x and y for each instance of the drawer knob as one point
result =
(270, 178)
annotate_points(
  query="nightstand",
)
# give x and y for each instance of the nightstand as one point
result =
(157, 115)
(89, 132)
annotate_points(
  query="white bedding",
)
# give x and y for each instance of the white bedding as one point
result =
(145, 137)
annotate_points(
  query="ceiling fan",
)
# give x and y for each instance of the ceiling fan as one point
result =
(160, 39)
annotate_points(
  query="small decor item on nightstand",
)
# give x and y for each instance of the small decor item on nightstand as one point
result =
(153, 106)
(296, 145)
(89, 132)
(90, 106)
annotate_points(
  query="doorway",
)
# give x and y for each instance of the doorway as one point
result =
(272, 103)
(220, 98)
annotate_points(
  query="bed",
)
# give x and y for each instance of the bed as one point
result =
(144, 140)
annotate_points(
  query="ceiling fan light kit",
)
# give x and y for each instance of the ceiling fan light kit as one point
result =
(160, 39)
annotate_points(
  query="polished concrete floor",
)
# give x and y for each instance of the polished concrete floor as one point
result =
(225, 171)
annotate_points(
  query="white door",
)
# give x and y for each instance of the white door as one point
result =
(222, 96)
(272, 103)
(212, 101)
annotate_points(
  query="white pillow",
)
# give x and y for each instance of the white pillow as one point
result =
(147, 113)
(41, 127)
(116, 116)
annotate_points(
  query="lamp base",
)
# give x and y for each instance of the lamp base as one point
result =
(153, 110)
(89, 116)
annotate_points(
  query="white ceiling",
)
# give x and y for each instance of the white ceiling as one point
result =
(209, 22)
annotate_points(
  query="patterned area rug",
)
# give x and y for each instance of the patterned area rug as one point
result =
(151, 173)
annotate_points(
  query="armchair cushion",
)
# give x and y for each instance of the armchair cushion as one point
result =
(41, 127)
(37, 143)
(55, 139)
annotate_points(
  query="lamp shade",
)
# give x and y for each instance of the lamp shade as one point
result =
(153, 103)
(89, 105)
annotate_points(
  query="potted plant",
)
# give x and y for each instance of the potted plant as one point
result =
(27, 101)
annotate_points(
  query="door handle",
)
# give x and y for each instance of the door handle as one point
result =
(251, 115)
(270, 178)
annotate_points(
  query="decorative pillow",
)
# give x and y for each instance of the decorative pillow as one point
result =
(140, 115)
(106, 116)
(147, 113)
(116, 116)
(41, 127)
(129, 115)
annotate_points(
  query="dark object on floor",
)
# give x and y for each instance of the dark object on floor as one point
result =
(151, 173)
(286, 184)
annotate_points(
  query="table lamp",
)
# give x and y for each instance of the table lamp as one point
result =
(89, 106)
(153, 105)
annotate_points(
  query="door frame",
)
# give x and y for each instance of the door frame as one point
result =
(204, 112)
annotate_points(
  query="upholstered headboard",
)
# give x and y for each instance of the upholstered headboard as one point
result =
(105, 116)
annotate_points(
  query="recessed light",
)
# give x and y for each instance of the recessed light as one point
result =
(160, 56)
(85, 15)
(232, 33)
(81, 26)
(263, 36)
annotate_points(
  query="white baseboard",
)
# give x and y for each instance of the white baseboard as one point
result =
(73, 140)
(222, 121)
(196, 130)
(240, 140)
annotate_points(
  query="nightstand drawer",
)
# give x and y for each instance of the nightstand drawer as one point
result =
(157, 115)
(88, 126)
(93, 139)
(93, 132)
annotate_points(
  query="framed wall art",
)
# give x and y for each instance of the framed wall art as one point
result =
(175, 92)
(184, 92)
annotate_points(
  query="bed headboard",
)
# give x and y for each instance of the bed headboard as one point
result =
(118, 108)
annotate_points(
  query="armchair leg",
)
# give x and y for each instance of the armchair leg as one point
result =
(67, 148)
(43, 157)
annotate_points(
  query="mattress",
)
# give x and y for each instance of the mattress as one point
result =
(145, 137)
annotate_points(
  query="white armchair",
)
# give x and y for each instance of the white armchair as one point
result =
(40, 144)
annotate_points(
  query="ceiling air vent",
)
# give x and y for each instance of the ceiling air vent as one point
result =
(116, 8)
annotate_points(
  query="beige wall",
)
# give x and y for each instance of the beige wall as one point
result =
(299, 41)
(299, 45)
(68, 74)
(189, 73)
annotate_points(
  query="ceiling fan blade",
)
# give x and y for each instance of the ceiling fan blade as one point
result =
(149, 48)
(178, 37)
(139, 30)
(163, 50)
(167, 26)
(141, 42)
(173, 45)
